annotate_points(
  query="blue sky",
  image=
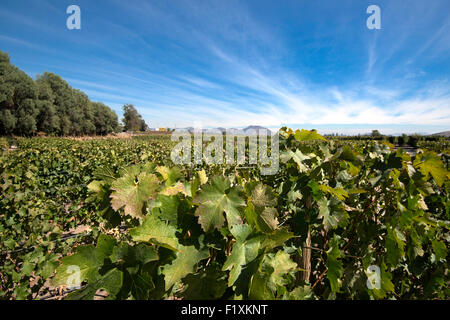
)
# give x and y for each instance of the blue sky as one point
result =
(303, 64)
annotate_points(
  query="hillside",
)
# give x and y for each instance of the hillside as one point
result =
(443, 134)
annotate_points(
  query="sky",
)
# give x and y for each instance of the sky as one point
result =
(233, 63)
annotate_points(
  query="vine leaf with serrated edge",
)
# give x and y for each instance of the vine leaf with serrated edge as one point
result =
(433, 165)
(260, 211)
(209, 283)
(184, 264)
(244, 251)
(335, 268)
(332, 212)
(271, 275)
(132, 191)
(85, 265)
(157, 231)
(215, 198)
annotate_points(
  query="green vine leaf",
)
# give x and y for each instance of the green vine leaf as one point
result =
(157, 231)
(170, 175)
(430, 163)
(209, 283)
(184, 264)
(340, 193)
(110, 282)
(335, 267)
(167, 208)
(215, 198)
(395, 244)
(260, 211)
(307, 135)
(332, 212)
(128, 255)
(85, 263)
(439, 249)
(132, 191)
(244, 251)
(262, 195)
(298, 157)
(300, 293)
(271, 275)
(141, 284)
(386, 284)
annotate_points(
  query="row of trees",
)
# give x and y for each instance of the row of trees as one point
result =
(50, 105)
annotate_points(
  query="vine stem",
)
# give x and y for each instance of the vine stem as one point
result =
(307, 257)
(322, 250)
(319, 278)
(306, 251)
(314, 248)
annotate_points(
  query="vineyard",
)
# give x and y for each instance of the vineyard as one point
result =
(116, 219)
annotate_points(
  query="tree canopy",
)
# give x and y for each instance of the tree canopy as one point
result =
(376, 133)
(132, 120)
(48, 104)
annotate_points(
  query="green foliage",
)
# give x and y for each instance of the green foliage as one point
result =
(48, 105)
(216, 198)
(220, 232)
(376, 133)
(306, 135)
(156, 231)
(334, 265)
(45, 195)
(274, 273)
(210, 283)
(132, 120)
(132, 191)
(184, 263)
(88, 259)
(430, 163)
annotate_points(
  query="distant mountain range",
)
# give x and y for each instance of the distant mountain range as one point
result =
(442, 134)
(256, 129)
